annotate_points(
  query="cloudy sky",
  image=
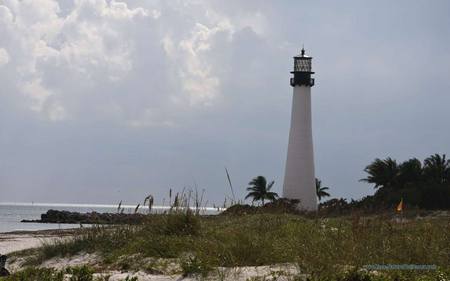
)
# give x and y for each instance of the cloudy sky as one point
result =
(102, 101)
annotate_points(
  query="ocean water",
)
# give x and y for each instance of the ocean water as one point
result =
(11, 214)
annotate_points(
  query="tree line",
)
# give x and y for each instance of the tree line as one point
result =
(424, 185)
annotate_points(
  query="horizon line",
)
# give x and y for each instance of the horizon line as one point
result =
(96, 205)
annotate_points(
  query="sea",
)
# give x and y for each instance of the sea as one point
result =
(11, 214)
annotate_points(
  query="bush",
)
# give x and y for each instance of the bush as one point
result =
(83, 273)
(35, 274)
(278, 206)
(192, 265)
(182, 224)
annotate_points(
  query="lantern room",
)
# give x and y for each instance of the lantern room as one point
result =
(302, 71)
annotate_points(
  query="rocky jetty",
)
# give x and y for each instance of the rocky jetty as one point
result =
(54, 216)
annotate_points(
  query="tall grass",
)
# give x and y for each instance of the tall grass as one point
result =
(320, 247)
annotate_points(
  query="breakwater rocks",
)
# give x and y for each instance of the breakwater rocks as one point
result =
(54, 216)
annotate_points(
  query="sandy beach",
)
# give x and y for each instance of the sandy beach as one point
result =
(22, 240)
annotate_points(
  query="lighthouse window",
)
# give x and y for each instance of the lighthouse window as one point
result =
(302, 65)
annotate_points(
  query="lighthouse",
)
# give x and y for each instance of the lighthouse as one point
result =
(299, 178)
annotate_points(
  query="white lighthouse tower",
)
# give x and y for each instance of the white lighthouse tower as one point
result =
(299, 178)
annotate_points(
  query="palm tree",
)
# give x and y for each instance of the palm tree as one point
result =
(321, 191)
(437, 169)
(259, 190)
(410, 172)
(383, 173)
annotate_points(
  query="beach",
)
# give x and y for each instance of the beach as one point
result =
(22, 240)
(16, 242)
(183, 246)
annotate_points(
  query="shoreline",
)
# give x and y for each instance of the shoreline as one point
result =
(15, 241)
(41, 232)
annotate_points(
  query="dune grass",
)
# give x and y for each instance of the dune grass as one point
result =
(323, 248)
(83, 273)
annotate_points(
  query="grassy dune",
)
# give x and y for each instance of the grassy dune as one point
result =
(324, 248)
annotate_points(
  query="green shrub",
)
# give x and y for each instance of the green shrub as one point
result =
(35, 274)
(355, 276)
(182, 224)
(82, 273)
(192, 265)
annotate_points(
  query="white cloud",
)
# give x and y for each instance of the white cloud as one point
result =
(196, 71)
(119, 10)
(58, 52)
(4, 57)
(145, 65)
(5, 14)
(38, 94)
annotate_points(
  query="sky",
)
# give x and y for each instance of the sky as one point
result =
(102, 101)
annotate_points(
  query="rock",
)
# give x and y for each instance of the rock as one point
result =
(3, 270)
(55, 216)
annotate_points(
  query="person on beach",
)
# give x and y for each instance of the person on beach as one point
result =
(3, 270)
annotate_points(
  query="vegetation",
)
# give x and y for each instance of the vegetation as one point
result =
(278, 206)
(422, 186)
(82, 273)
(425, 186)
(323, 248)
(259, 190)
(42, 274)
(35, 274)
(148, 199)
(321, 191)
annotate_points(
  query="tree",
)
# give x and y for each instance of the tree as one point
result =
(321, 191)
(424, 185)
(410, 173)
(259, 190)
(437, 169)
(382, 173)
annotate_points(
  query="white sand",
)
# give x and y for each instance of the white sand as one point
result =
(16, 242)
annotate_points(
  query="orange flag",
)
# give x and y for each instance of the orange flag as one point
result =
(400, 206)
